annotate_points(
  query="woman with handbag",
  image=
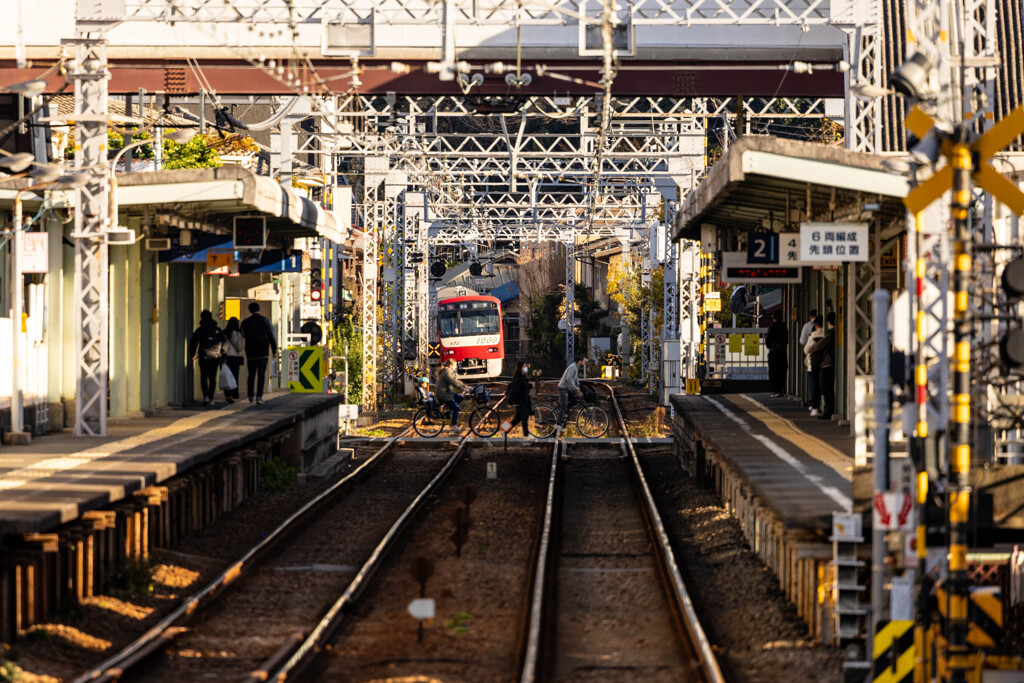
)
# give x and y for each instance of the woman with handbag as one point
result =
(205, 347)
(234, 347)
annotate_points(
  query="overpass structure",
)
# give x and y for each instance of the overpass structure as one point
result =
(577, 109)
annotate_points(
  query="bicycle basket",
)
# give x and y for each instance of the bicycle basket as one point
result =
(481, 395)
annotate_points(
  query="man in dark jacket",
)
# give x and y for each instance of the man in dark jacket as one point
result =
(776, 339)
(448, 391)
(826, 346)
(260, 345)
(205, 346)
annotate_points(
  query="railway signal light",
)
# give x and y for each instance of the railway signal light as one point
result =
(1011, 343)
(475, 269)
(437, 269)
(316, 285)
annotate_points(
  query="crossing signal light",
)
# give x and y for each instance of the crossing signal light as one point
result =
(475, 269)
(316, 285)
(1011, 343)
(437, 269)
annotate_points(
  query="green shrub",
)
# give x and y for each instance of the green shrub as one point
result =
(133, 576)
(275, 476)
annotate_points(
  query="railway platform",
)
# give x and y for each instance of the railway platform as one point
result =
(782, 474)
(73, 508)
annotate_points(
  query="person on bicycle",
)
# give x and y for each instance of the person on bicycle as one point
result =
(448, 388)
(518, 395)
(425, 397)
(568, 390)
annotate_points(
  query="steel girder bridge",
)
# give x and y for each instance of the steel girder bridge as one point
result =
(579, 107)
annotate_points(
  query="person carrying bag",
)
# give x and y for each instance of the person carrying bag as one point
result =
(234, 347)
(228, 382)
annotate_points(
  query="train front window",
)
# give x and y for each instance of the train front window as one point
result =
(480, 321)
(449, 321)
(468, 319)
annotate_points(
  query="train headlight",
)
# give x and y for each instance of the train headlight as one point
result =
(449, 352)
(493, 349)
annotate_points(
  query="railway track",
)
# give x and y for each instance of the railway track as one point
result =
(282, 585)
(608, 601)
(568, 573)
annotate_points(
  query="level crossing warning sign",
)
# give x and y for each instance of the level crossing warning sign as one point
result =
(433, 350)
(894, 653)
(304, 369)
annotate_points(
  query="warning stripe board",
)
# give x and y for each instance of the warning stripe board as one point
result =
(984, 614)
(894, 653)
(305, 369)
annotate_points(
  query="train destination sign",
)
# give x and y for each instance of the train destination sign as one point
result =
(736, 270)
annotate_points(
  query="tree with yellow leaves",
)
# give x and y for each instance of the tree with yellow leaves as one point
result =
(625, 287)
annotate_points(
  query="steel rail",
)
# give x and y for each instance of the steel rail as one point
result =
(313, 644)
(684, 605)
(698, 640)
(532, 652)
(116, 666)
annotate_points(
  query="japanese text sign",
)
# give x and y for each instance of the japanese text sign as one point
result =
(34, 252)
(833, 242)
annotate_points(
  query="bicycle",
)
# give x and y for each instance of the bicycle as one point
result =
(484, 419)
(591, 419)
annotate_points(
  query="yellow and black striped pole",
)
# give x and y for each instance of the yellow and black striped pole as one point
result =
(917, 444)
(958, 654)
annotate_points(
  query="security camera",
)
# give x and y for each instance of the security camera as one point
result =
(911, 78)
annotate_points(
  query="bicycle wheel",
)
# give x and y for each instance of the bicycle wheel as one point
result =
(484, 421)
(542, 424)
(592, 422)
(427, 426)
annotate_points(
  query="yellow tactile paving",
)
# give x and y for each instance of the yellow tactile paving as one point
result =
(783, 428)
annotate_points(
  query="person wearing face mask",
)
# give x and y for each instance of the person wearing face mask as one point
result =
(518, 394)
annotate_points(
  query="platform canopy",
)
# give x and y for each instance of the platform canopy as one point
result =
(207, 199)
(759, 178)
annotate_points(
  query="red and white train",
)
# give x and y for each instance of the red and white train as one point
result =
(470, 332)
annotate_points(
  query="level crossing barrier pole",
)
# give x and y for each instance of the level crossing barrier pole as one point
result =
(959, 660)
(880, 464)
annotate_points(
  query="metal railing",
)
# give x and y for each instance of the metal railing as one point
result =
(736, 353)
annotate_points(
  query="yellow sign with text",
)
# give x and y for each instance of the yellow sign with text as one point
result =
(304, 367)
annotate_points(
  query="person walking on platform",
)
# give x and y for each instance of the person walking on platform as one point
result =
(826, 346)
(448, 390)
(777, 339)
(568, 390)
(518, 394)
(805, 335)
(812, 361)
(234, 347)
(205, 346)
(260, 345)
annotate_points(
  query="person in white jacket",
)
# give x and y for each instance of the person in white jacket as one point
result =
(568, 386)
(812, 361)
(805, 334)
(234, 347)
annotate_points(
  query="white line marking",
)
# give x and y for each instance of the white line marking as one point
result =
(785, 456)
